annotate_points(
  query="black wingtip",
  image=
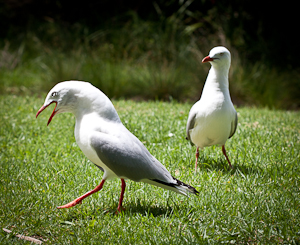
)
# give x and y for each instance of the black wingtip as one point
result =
(191, 188)
(179, 183)
(99, 167)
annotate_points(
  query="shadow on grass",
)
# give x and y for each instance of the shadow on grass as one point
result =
(129, 209)
(222, 165)
(155, 211)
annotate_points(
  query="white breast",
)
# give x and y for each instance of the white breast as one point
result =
(213, 122)
(84, 128)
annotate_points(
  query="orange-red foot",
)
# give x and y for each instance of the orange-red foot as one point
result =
(120, 210)
(197, 156)
(224, 152)
(70, 204)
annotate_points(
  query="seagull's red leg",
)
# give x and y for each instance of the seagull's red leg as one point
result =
(120, 208)
(79, 199)
(197, 156)
(224, 152)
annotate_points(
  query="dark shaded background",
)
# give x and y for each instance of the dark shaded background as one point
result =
(260, 30)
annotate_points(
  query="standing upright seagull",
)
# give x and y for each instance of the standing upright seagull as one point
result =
(106, 142)
(212, 120)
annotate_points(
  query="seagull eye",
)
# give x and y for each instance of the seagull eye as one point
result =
(221, 54)
(54, 94)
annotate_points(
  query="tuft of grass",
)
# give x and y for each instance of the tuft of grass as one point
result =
(140, 59)
(257, 202)
(260, 85)
(143, 60)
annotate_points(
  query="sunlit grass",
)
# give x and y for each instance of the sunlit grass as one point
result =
(256, 202)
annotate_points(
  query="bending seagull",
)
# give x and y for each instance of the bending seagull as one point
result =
(212, 120)
(106, 142)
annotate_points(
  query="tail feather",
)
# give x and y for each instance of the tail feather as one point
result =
(179, 186)
(189, 188)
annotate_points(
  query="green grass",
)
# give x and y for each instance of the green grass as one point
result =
(258, 202)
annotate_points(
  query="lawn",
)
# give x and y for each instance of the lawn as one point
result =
(258, 202)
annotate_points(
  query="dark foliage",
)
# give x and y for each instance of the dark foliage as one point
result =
(260, 30)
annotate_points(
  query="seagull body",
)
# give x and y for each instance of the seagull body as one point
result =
(106, 142)
(212, 120)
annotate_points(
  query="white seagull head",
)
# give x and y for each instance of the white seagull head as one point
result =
(218, 57)
(75, 97)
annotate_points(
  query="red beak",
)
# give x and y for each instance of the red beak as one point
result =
(206, 59)
(44, 107)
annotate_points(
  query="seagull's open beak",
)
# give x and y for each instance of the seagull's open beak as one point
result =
(206, 59)
(44, 107)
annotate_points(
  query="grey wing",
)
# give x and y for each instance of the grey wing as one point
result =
(190, 124)
(233, 125)
(128, 158)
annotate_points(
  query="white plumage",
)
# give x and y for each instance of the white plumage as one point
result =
(213, 119)
(106, 142)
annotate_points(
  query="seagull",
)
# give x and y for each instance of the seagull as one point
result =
(212, 120)
(106, 142)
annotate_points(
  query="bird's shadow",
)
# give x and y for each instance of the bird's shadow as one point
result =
(145, 208)
(209, 164)
(130, 208)
(155, 211)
